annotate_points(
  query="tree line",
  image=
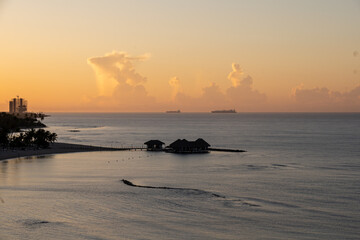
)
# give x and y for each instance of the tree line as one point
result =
(11, 137)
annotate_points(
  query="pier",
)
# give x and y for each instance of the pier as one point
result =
(101, 148)
(131, 149)
(162, 150)
(185, 146)
(96, 148)
(225, 150)
(142, 148)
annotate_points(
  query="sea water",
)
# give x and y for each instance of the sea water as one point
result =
(299, 179)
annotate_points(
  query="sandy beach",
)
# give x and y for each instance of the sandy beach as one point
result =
(55, 148)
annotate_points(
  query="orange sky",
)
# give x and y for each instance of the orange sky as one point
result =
(153, 56)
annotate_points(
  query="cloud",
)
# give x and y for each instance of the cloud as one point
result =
(121, 88)
(214, 96)
(244, 97)
(355, 54)
(240, 95)
(211, 98)
(235, 75)
(323, 99)
(352, 96)
(314, 95)
(120, 85)
(116, 68)
(175, 84)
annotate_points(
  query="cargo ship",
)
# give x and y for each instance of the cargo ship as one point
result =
(178, 111)
(224, 111)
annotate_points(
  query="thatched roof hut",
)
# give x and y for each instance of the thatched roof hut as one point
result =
(154, 145)
(185, 146)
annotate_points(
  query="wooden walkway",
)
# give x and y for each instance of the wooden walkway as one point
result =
(225, 150)
(98, 148)
(210, 149)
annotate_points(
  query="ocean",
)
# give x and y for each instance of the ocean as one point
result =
(299, 179)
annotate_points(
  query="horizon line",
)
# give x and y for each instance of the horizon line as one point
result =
(203, 112)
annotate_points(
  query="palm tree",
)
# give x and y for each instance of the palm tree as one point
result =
(52, 137)
(29, 137)
(42, 138)
(4, 137)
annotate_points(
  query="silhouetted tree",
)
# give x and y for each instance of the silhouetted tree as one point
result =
(17, 141)
(29, 137)
(10, 124)
(4, 137)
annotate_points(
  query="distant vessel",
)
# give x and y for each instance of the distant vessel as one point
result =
(178, 111)
(224, 111)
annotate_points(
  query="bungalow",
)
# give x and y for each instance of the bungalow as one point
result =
(185, 146)
(154, 145)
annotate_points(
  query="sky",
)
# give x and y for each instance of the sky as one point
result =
(192, 55)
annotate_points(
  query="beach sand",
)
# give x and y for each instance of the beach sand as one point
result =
(55, 148)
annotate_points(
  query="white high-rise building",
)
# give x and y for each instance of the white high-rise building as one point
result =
(17, 105)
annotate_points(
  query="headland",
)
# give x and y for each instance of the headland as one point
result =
(55, 148)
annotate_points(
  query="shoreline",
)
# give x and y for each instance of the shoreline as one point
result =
(55, 148)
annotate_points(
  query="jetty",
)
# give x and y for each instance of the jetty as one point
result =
(58, 148)
(225, 150)
(185, 146)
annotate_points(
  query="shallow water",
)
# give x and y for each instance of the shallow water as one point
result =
(298, 180)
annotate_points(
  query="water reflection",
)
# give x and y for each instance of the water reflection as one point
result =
(39, 157)
(10, 169)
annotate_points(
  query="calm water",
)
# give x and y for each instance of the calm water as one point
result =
(300, 179)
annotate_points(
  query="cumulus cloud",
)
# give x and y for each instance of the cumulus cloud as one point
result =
(235, 75)
(175, 84)
(116, 68)
(119, 84)
(323, 99)
(121, 88)
(355, 54)
(211, 98)
(241, 95)
(214, 96)
(314, 95)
